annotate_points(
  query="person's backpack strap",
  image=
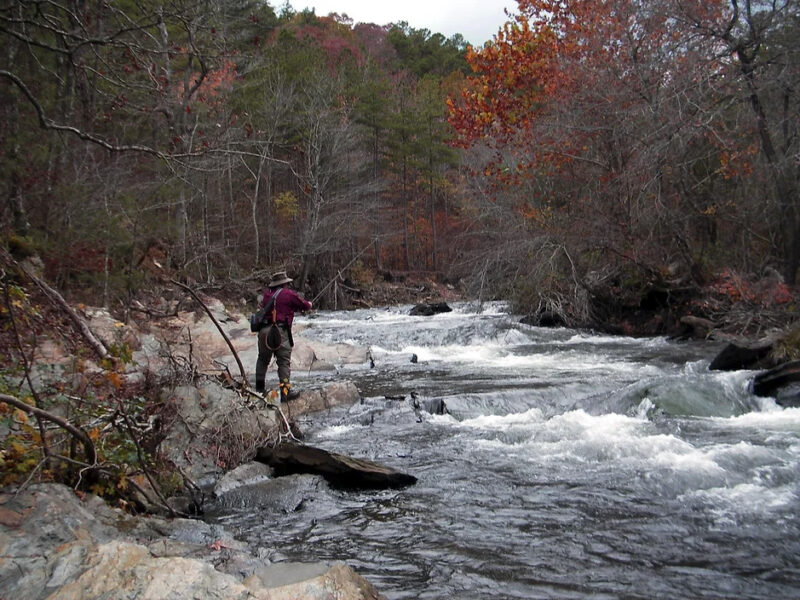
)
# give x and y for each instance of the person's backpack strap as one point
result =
(258, 320)
(274, 304)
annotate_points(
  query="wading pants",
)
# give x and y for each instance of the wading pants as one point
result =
(283, 356)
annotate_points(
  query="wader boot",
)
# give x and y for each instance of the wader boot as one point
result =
(259, 386)
(287, 393)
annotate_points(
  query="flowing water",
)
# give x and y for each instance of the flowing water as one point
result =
(568, 465)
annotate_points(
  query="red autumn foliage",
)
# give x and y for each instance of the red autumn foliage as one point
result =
(551, 83)
(735, 287)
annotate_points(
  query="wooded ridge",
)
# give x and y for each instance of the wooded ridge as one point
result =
(589, 150)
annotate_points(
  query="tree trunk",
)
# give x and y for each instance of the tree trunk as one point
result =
(406, 249)
(786, 195)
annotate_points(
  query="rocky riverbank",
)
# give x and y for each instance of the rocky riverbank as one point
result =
(55, 544)
(204, 418)
(197, 418)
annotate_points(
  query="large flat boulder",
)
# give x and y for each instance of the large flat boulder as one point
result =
(337, 469)
(55, 545)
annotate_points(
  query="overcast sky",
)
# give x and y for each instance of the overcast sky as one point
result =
(476, 20)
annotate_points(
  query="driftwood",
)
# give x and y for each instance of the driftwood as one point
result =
(338, 470)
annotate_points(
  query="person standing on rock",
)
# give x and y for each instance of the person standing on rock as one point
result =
(287, 302)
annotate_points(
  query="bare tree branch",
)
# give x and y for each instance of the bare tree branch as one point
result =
(218, 326)
(47, 123)
(79, 434)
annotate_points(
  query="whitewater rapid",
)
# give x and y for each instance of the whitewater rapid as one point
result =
(568, 465)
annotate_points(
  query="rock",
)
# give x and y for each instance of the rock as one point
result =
(782, 383)
(210, 428)
(246, 474)
(294, 581)
(120, 569)
(339, 470)
(55, 545)
(734, 357)
(326, 356)
(430, 309)
(343, 393)
(435, 406)
(697, 326)
(113, 333)
(789, 396)
(545, 318)
(32, 264)
(123, 570)
(277, 495)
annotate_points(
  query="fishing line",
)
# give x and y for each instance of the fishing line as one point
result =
(339, 274)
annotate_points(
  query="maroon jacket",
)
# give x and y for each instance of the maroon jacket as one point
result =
(287, 303)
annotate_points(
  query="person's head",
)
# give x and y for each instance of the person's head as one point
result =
(279, 279)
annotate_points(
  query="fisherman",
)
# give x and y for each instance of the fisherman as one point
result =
(287, 302)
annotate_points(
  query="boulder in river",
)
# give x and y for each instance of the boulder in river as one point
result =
(429, 309)
(782, 383)
(545, 318)
(337, 393)
(735, 356)
(339, 470)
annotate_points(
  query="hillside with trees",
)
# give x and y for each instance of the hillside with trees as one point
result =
(635, 152)
(592, 160)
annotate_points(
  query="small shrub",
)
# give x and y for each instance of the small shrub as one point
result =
(788, 348)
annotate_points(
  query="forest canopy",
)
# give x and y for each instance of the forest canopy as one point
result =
(618, 144)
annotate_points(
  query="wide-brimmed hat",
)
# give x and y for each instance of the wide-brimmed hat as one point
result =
(279, 278)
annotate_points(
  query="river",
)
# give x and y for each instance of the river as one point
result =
(568, 465)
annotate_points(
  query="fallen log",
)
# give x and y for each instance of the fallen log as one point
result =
(339, 470)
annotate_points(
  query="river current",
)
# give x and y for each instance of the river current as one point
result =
(567, 465)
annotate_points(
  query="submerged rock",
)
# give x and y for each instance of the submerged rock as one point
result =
(247, 474)
(278, 495)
